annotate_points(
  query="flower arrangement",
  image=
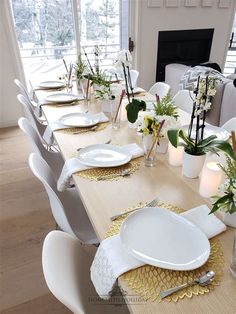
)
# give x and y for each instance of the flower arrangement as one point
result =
(195, 144)
(165, 106)
(227, 202)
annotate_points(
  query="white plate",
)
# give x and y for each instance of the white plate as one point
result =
(103, 155)
(79, 119)
(164, 239)
(51, 84)
(61, 97)
(221, 133)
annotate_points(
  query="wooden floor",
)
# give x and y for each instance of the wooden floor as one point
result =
(25, 219)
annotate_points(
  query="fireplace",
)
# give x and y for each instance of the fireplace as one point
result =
(189, 47)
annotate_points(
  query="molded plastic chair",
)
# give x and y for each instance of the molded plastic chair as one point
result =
(25, 93)
(67, 208)
(134, 74)
(159, 88)
(184, 100)
(230, 125)
(66, 268)
(25, 103)
(54, 159)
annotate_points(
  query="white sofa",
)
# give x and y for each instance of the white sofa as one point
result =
(224, 102)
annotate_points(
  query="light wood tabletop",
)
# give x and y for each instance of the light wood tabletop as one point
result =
(102, 199)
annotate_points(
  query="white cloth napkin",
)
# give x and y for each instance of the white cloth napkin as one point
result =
(57, 125)
(112, 260)
(73, 165)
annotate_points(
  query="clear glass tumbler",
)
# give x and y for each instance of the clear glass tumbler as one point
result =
(115, 114)
(149, 147)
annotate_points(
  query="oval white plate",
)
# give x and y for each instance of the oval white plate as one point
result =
(221, 133)
(79, 119)
(164, 239)
(103, 155)
(61, 97)
(51, 84)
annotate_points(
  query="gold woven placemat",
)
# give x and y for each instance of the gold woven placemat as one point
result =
(100, 127)
(110, 174)
(147, 281)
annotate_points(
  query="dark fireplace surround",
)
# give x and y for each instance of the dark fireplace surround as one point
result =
(189, 47)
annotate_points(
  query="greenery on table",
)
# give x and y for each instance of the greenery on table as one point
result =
(227, 202)
(133, 109)
(201, 147)
(166, 106)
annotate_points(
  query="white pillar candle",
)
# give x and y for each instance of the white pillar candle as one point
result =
(210, 179)
(175, 155)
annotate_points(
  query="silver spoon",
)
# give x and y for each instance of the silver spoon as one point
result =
(203, 280)
(123, 173)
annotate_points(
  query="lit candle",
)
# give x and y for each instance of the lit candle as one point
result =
(175, 155)
(210, 179)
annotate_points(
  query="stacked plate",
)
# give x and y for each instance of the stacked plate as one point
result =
(63, 98)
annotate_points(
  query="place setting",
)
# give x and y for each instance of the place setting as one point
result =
(101, 162)
(77, 123)
(161, 252)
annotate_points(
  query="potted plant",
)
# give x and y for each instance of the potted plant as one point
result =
(227, 200)
(194, 143)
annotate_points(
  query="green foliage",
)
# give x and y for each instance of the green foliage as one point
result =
(80, 68)
(166, 106)
(133, 109)
(208, 144)
(227, 202)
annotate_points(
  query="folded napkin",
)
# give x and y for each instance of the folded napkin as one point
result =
(112, 260)
(57, 125)
(73, 165)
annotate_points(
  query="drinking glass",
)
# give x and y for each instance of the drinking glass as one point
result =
(115, 114)
(233, 261)
(149, 146)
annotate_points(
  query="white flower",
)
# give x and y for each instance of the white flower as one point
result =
(123, 57)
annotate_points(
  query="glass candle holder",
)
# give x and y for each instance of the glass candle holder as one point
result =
(210, 179)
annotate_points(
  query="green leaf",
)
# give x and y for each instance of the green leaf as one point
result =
(206, 141)
(133, 109)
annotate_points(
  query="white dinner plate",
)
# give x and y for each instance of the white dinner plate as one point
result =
(164, 239)
(51, 84)
(61, 98)
(221, 133)
(103, 155)
(79, 119)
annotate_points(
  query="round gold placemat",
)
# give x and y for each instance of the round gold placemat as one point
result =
(110, 173)
(147, 281)
(100, 127)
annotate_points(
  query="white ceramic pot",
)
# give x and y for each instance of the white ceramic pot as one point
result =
(192, 165)
(163, 146)
(230, 219)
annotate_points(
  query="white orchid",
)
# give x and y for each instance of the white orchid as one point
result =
(123, 58)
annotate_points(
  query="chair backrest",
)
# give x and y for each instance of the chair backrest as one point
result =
(27, 108)
(22, 89)
(184, 100)
(133, 77)
(66, 271)
(42, 171)
(230, 125)
(33, 135)
(159, 88)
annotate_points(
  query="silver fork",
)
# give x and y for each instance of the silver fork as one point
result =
(92, 129)
(151, 204)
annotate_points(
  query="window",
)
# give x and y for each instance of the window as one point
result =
(50, 30)
(230, 64)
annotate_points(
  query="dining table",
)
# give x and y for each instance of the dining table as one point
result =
(105, 198)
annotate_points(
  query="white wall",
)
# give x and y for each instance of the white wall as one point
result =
(10, 110)
(150, 20)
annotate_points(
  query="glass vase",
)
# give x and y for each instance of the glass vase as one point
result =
(149, 147)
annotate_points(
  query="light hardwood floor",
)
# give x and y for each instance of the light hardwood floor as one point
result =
(25, 219)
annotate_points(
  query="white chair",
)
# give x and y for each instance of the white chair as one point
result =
(67, 208)
(25, 93)
(159, 88)
(230, 125)
(184, 100)
(134, 74)
(54, 159)
(66, 268)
